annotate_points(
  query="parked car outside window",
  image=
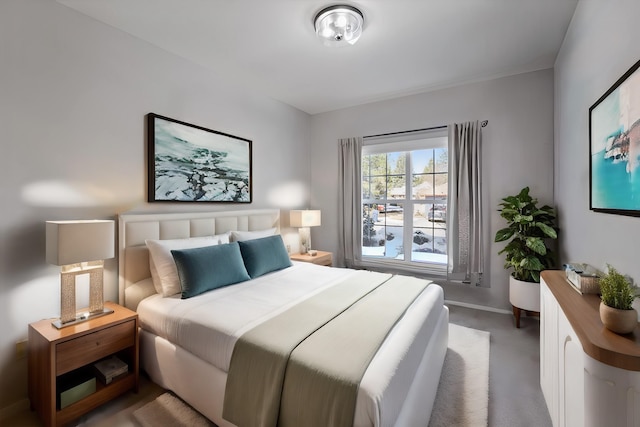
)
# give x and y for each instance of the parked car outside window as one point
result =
(437, 213)
(389, 207)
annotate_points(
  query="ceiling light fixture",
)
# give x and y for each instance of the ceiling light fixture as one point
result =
(339, 25)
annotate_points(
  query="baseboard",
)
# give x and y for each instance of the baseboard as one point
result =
(13, 409)
(477, 307)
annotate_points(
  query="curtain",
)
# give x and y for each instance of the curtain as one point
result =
(464, 216)
(349, 201)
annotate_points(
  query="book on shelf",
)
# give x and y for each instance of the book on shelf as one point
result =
(111, 368)
(74, 386)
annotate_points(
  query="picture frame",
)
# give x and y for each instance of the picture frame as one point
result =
(614, 148)
(190, 163)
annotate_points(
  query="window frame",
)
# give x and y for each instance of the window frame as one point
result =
(405, 143)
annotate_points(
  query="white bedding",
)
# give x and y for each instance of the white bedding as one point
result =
(209, 325)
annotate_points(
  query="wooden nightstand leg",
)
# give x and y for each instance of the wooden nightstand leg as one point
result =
(516, 314)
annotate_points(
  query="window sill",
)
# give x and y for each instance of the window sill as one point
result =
(433, 270)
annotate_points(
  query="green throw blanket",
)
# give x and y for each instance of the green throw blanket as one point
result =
(304, 366)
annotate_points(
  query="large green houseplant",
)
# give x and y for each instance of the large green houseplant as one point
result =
(529, 227)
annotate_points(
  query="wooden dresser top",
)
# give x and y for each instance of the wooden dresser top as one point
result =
(582, 311)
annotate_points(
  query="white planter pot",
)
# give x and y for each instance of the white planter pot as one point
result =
(524, 295)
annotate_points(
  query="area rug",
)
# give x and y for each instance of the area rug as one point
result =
(462, 399)
(463, 393)
(168, 410)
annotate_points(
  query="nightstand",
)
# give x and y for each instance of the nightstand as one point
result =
(55, 352)
(322, 258)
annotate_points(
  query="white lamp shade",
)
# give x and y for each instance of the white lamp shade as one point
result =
(71, 242)
(304, 218)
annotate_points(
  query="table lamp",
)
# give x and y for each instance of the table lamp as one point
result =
(303, 219)
(80, 247)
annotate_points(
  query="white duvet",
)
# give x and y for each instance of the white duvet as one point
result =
(209, 325)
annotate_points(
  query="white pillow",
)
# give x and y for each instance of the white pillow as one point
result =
(242, 236)
(163, 267)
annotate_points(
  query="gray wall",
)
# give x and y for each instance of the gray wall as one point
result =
(600, 46)
(517, 152)
(73, 97)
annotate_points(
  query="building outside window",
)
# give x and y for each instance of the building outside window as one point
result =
(404, 202)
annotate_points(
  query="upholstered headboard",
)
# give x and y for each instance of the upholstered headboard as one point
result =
(134, 229)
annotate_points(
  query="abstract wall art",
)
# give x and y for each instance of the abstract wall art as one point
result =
(189, 163)
(614, 134)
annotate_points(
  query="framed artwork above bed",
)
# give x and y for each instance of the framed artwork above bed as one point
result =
(614, 134)
(189, 163)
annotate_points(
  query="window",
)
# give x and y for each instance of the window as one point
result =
(404, 201)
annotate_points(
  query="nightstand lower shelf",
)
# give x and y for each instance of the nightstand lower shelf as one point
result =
(102, 395)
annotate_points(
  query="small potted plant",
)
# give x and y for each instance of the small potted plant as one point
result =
(617, 295)
(527, 254)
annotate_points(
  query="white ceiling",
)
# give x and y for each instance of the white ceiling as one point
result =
(407, 46)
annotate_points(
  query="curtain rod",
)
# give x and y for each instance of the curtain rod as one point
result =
(484, 123)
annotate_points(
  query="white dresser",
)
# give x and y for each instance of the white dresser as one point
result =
(589, 375)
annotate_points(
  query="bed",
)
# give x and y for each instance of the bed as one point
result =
(187, 344)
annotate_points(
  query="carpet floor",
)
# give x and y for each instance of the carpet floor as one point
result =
(463, 392)
(462, 398)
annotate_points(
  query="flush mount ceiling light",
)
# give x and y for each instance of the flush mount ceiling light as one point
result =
(339, 25)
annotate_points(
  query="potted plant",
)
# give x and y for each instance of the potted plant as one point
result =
(527, 254)
(617, 295)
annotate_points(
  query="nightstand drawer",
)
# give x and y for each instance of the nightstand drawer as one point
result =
(81, 351)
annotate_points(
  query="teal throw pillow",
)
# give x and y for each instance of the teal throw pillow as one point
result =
(262, 256)
(210, 267)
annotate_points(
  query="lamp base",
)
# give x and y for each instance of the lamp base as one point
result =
(305, 239)
(81, 317)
